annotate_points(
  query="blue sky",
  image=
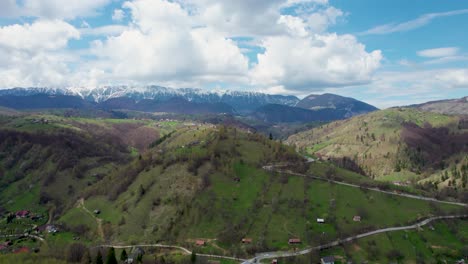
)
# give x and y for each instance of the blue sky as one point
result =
(387, 53)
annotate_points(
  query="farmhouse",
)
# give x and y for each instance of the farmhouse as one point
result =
(294, 241)
(320, 220)
(357, 218)
(246, 240)
(327, 260)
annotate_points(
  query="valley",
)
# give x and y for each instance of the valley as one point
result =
(214, 187)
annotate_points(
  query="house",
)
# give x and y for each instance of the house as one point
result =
(357, 218)
(294, 241)
(237, 179)
(327, 260)
(275, 261)
(246, 241)
(22, 214)
(21, 250)
(51, 229)
(97, 211)
(200, 243)
(320, 220)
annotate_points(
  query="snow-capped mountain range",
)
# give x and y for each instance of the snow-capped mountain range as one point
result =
(240, 100)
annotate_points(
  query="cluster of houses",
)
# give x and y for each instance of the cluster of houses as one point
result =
(40, 121)
(25, 214)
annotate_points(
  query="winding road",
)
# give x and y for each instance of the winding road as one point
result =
(185, 250)
(424, 198)
(284, 254)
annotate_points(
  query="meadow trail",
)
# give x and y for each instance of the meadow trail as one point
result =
(80, 204)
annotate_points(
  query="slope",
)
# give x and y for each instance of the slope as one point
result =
(395, 145)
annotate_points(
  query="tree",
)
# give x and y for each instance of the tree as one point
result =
(271, 136)
(193, 258)
(123, 255)
(76, 251)
(111, 256)
(99, 257)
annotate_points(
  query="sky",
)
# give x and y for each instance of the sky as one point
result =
(386, 52)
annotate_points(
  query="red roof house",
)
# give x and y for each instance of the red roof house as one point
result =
(200, 243)
(21, 250)
(246, 240)
(22, 214)
(294, 241)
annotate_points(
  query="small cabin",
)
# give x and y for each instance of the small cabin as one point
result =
(294, 241)
(327, 260)
(357, 218)
(246, 241)
(320, 220)
(200, 243)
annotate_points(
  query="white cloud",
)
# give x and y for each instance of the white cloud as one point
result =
(32, 55)
(439, 52)
(188, 43)
(456, 78)
(320, 21)
(295, 25)
(51, 9)
(411, 24)
(163, 46)
(241, 17)
(315, 62)
(40, 35)
(111, 30)
(118, 15)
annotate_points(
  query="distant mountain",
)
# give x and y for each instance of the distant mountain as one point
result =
(173, 105)
(44, 101)
(274, 113)
(346, 105)
(449, 107)
(242, 102)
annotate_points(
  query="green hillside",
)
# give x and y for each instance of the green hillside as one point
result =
(386, 146)
(102, 181)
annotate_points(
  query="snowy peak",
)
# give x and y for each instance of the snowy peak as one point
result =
(239, 100)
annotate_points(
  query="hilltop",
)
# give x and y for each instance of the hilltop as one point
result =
(347, 106)
(400, 145)
(449, 107)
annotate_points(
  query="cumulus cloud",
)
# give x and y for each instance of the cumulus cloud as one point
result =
(315, 62)
(187, 43)
(32, 55)
(40, 35)
(163, 45)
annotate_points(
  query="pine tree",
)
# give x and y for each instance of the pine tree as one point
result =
(99, 257)
(111, 256)
(193, 258)
(123, 255)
